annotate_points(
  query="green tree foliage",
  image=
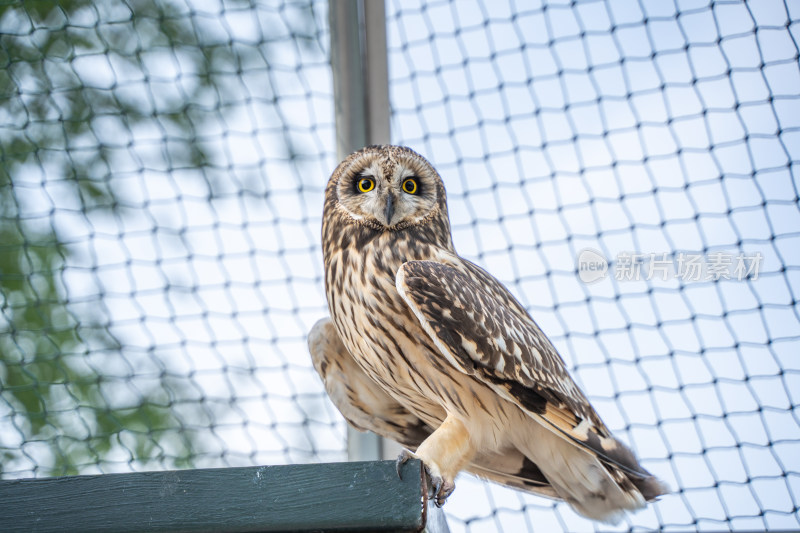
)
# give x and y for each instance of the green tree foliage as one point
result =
(76, 78)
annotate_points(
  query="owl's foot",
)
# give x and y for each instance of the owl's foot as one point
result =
(440, 487)
(404, 456)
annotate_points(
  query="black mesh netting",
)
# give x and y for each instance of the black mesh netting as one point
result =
(627, 168)
(160, 195)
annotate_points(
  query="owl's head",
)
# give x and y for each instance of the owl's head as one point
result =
(387, 188)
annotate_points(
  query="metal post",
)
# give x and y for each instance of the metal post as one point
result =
(376, 72)
(361, 96)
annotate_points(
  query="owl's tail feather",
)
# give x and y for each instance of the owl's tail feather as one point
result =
(596, 487)
(624, 467)
(596, 490)
(649, 486)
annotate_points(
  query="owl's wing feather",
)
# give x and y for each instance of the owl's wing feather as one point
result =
(483, 331)
(365, 405)
(511, 468)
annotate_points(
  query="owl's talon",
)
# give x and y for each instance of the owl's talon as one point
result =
(441, 488)
(404, 456)
(436, 485)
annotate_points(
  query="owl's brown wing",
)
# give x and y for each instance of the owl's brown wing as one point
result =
(361, 401)
(483, 331)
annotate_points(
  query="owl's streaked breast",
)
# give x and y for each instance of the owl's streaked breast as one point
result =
(376, 325)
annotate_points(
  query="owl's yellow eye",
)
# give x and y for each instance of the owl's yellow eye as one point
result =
(410, 186)
(365, 184)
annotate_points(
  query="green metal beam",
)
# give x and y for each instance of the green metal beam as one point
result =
(359, 496)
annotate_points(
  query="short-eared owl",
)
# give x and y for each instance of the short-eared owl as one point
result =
(428, 349)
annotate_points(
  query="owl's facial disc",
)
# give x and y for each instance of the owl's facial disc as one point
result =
(388, 194)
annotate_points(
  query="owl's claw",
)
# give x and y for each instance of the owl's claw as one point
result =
(440, 488)
(404, 456)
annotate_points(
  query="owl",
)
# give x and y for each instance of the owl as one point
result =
(430, 350)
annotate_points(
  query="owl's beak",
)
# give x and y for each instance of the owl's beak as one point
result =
(388, 211)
